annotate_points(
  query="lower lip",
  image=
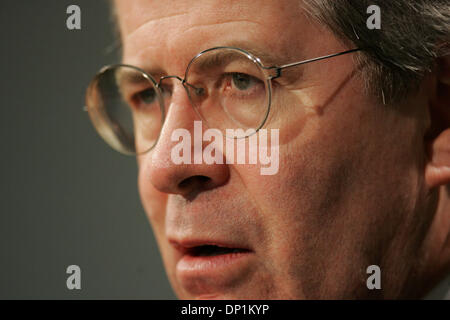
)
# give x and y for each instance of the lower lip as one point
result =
(203, 274)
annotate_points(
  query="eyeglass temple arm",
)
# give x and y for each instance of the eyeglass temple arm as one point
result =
(278, 69)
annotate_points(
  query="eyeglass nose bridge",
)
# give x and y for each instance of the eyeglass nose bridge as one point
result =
(198, 91)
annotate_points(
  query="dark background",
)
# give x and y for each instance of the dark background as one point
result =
(66, 197)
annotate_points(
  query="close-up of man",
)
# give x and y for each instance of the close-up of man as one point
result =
(357, 119)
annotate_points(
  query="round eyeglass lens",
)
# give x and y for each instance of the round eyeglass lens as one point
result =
(229, 90)
(126, 108)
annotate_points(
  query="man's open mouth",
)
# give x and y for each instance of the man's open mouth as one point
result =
(206, 266)
(212, 250)
(207, 248)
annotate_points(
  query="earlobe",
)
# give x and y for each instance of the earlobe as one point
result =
(437, 170)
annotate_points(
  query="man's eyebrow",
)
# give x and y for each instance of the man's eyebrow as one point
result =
(218, 58)
(266, 58)
(137, 73)
(222, 57)
(130, 77)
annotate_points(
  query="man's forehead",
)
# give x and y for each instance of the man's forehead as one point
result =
(134, 14)
(267, 29)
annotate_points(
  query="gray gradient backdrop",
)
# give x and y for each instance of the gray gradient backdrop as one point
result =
(66, 197)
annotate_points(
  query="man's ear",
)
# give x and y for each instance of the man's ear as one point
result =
(437, 170)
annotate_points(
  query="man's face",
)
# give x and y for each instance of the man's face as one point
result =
(348, 193)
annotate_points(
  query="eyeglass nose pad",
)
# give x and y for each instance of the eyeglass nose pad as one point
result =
(196, 94)
(199, 92)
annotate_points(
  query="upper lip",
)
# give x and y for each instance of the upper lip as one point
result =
(186, 246)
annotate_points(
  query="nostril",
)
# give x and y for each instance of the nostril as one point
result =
(194, 183)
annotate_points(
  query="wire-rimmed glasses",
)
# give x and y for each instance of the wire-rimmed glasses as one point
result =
(229, 88)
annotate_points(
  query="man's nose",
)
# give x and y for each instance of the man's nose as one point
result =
(187, 179)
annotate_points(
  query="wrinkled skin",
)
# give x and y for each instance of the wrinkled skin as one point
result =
(359, 183)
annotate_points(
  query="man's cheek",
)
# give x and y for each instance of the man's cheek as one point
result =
(152, 200)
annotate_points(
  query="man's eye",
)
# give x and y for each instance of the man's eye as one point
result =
(243, 81)
(147, 96)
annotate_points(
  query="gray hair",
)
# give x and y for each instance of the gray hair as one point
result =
(396, 57)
